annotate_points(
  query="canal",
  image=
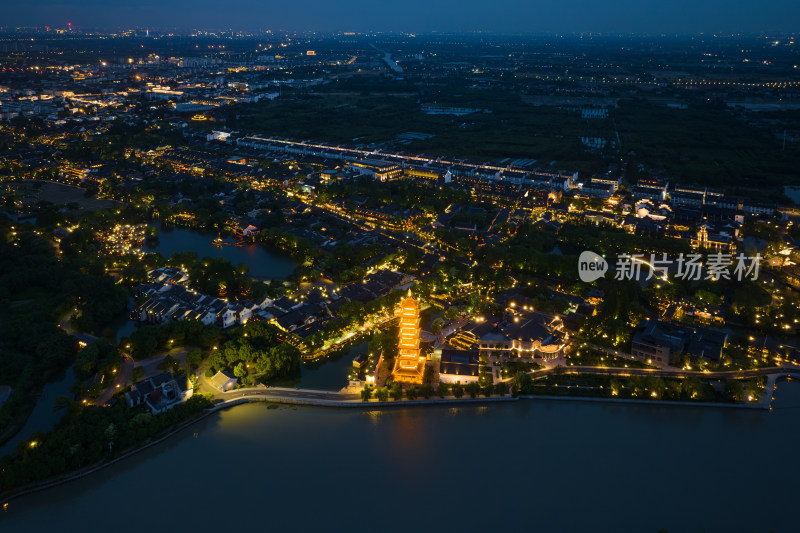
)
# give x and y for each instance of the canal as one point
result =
(529, 465)
(331, 372)
(44, 416)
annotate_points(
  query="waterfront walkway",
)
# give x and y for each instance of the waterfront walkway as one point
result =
(669, 373)
(288, 395)
(334, 399)
(349, 399)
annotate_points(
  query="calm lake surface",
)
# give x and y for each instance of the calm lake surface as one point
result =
(265, 263)
(526, 465)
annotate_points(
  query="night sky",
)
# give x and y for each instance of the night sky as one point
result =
(505, 16)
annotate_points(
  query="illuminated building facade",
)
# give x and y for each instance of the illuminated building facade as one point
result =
(409, 365)
(380, 170)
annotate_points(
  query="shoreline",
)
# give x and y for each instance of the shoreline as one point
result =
(309, 402)
(76, 475)
(317, 356)
(645, 401)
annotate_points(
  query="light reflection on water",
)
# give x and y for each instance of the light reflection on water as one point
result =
(583, 464)
(264, 262)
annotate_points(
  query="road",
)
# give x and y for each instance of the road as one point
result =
(123, 376)
(355, 154)
(150, 365)
(121, 380)
(658, 372)
(67, 327)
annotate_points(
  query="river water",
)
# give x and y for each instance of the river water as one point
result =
(539, 465)
(44, 416)
(330, 373)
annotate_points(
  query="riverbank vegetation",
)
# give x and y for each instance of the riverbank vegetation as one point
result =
(36, 289)
(216, 276)
(95, 365)
(397, 392)
(587, 356)
(255, 352)
(640, 387)
(88, 436)
(149, 339)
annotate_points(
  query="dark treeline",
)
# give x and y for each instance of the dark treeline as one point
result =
(87, 436)
(35, 290)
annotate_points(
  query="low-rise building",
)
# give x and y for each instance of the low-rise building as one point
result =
(651, 188)
(160, 393)
(459, 366)
(528, 334)
(168, 299)
(223, 381)
(380, 170)
(711, 237)
(599, 188)
(661, 344)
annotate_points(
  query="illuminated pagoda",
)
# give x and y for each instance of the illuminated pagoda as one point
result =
(409, 365)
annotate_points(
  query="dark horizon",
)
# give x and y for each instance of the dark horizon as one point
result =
(417, 16)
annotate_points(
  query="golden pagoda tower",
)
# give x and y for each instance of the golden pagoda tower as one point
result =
(409, 365)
